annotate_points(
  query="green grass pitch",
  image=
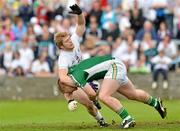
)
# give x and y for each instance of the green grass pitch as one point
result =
(53, 115)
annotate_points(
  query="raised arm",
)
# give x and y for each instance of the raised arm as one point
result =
(75, 9)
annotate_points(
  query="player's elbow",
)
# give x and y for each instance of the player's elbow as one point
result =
(62, 80)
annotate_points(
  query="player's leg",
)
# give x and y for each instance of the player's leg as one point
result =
(90, 92)
(82, 98)
(108, 88)
(132, 93)
(88, 89)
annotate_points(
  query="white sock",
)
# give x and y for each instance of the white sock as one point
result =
(98, 116)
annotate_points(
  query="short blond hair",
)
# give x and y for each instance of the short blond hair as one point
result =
(58, 38)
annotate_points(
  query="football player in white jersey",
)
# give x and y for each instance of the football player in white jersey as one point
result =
(70, 55)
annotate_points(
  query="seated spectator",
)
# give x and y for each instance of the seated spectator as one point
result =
(94, 30)
(130, 56)
(46, 44)
(7, 28)
(26, 53)
(124, 21)
(108, 17)
(141, 66)
(147, 27)
(19, 29)
(169, 46)
(40, 67)
(147, 43)
(112, 33)
(17, 66)
(161, 66)
(118, 47)
(7, 57)
(162, 31)
(9, 42)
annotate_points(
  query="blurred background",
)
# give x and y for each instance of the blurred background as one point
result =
(136, 31)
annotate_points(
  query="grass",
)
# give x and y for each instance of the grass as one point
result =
(53, 115)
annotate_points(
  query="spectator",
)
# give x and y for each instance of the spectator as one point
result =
(96, 11)
(163, 31)
(108, 17)
(141, 65)
(94, 30)
(41, 12)
(136, 19)
(26, 54)
(7, 29)
(147, 43)
(147, 27)
(26, 11)
(40, 67)
(169, 46)
(130, 56)
(118, 47)
(161, 63)
(124, 22)
(19, 29)
(7, 57)
(16, 68)
(112, 33)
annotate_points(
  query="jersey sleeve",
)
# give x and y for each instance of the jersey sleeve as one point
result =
(63, 62)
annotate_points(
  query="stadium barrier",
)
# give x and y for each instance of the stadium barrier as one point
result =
(45, 88)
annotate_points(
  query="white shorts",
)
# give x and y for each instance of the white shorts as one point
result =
(118, 72)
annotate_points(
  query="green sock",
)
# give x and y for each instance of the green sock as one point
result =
(123, 113)
(152, 101)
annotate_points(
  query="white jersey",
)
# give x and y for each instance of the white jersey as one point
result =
(69, 58)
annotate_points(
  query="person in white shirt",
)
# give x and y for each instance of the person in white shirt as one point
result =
(7, 57)
(70, 55)
(161, 66)
(169, 47)
(26, 54)
(40, 66)
(17, 66)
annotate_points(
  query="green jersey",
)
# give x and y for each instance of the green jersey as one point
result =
(90, 69)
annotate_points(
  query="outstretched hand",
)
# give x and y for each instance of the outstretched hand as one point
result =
(75, 9)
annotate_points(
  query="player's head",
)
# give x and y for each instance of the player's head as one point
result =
(63, 41)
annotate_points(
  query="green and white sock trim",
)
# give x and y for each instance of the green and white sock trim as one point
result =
(123, 113)
(152, 101)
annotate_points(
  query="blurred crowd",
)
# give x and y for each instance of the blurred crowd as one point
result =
(144, 34)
